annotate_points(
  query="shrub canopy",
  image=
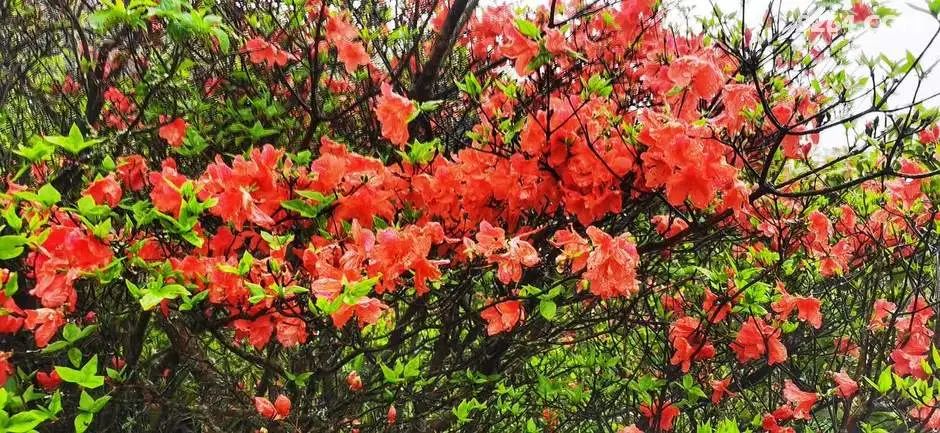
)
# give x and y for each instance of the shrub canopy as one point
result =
(294, 216)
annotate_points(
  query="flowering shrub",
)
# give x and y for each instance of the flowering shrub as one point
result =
(443, 216)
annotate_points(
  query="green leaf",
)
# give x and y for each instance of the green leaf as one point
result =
(191, 302)
(12, 219)
(428, 106)
(70, 375)
(257, 292)
(73, 143)
(244, 265)
(86, 401)
(82, 421)
(193, 238)
(86, 377)
(462, 411)
(156, 294)
(12, 285)
(302, 378)
(728, 426)
(11, 246)
(303, 208)
(471, 85)
(48, 195)
(222, 37)
(413, 367)
(257, 131)
(75, 356)
(884, 380)
(390, 375)
(55, 347)
(934, 6)
(70, 332)
(25, 421)
(55, 404)
(108, 164)
(527, 28)
(547, 309)
(38, 151)
(354, 291)
(597, 85)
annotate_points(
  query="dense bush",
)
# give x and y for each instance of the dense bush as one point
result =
(295, 216)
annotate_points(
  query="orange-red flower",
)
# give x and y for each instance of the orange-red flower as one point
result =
(720, 389)
(663, 415)
(105, 191)
(48, 381)
(394, 112)
(261, 51)
(166, 195)
(66, 254)
(503, 316)
(574, 248)
(807, 307)
(689, 343)
(11, 316)
(510, 256)
(844, 384)
(862, 12)
(519, 48)
(354, 381)
(611, 266)
(801, 402)
(352, 55)
(291, 331)
(132, 171)
(280, 409)
(756, 339)
(44, 322)
(881, 310)
(6, 368)
(174, 132)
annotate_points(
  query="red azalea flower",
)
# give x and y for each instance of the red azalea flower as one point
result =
(354, 381)
(105, 191)
(611, 266)
(44, 322)
(503, 316)
(394, 112)
(845, 385)
(6, 368)
(261, 51)
(174, 132)
(662, 414)
(801, 402)
(756, 339)
(278, 410)
(48, 381)
(352, 55)
(132, 171)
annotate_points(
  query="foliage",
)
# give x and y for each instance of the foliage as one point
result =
(294, 216)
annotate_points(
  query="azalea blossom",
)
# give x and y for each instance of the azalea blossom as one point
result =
(845, 386)
(757, 339)
(174, 132)
(278, 410)
(394, 111)
(502, 316)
